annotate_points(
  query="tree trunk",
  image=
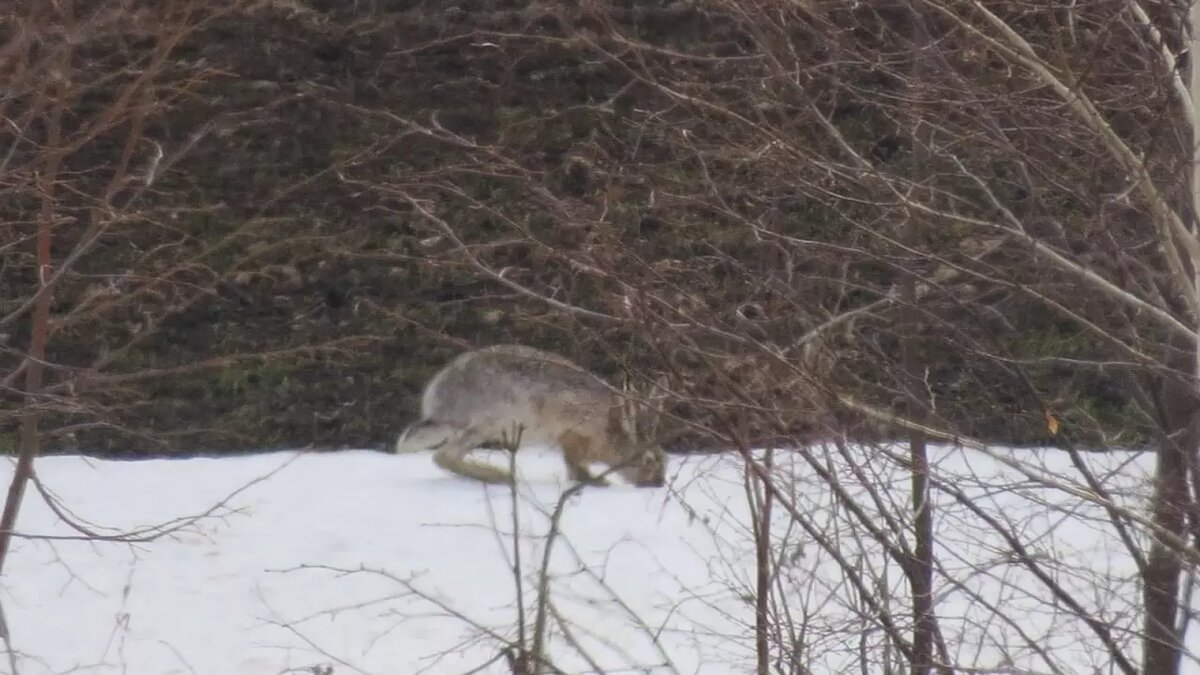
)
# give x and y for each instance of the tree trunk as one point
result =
(920, 563)
(30, 441)
(1179, 405)
(1161, 577)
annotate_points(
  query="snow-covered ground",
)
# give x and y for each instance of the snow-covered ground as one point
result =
(374, 563)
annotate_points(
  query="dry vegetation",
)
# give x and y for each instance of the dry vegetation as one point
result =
(918, 220)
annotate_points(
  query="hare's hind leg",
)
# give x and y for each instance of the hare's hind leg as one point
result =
(575, 449)
(453, 457)
(424, 435)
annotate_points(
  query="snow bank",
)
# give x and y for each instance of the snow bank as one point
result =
(373, 563)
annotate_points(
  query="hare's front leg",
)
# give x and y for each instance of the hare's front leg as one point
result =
(576, 452)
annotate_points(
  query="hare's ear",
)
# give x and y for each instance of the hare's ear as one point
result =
(650, 410)
(629, 408)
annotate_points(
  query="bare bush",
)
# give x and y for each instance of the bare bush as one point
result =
(895, 215)
(822, 226)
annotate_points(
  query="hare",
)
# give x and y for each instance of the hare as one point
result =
(483, 395)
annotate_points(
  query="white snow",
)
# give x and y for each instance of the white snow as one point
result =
(374, 563)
